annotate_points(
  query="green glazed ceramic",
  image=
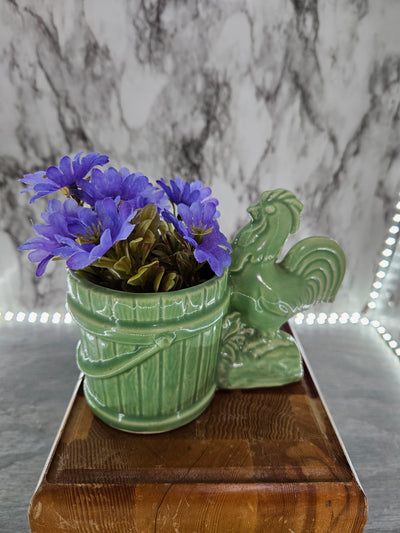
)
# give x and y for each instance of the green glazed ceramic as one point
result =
(149, 359)
(268, 290)
(153, 361)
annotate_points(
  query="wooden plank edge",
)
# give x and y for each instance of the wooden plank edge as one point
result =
(312, 507)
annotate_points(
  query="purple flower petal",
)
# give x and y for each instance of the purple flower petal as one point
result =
(180, 192)
(78, 260)
(67, 174)
(42, 266)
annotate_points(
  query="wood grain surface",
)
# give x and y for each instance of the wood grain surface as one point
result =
(256, 460)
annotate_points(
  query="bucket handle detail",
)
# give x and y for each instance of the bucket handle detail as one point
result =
(128, 360)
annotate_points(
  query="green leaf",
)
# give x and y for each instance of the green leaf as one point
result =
(145, 276)
(123, 265)
(157, 279)
(148, 241)
(134, 244)
(146, 218)
(104, 262)
(169, 282)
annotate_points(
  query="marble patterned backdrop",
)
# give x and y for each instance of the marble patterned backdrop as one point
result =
(245, 95)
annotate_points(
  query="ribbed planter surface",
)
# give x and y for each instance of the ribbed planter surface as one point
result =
(149, 359)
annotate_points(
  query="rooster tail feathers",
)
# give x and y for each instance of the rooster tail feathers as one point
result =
(321, 263)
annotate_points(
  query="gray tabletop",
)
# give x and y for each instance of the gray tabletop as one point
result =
(357, 374)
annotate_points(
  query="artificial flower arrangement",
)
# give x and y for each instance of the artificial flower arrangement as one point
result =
(122, 231)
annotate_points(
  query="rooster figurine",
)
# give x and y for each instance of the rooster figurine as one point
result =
(266, 292)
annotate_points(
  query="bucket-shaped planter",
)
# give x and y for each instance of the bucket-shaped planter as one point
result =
(149, 359)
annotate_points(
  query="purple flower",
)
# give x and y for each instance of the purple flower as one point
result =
(198, 225)
(67, 174)
(100, 229)
(134, 188)
(99, 209)
(60, 221)
(180, 192)
(79, 234)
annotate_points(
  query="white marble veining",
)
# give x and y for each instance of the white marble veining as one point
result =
(245, 95)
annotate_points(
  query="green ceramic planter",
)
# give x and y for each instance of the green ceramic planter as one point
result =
(153, 361)
(149, 359)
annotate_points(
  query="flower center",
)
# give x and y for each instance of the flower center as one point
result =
(199, 231)
(91, 235)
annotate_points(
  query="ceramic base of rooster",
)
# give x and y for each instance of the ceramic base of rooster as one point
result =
(249, 359)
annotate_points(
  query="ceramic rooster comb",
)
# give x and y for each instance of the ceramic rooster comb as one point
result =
(266, 292)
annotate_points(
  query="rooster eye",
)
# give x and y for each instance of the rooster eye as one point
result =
(270, 209)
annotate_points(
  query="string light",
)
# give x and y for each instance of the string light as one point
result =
(383, 266)
(310, 319)
(355, 318)
(44, 318)
(33, 317)
(333, 318)
(345, 318)
(56, 318)
(298, 319)
(20, 317)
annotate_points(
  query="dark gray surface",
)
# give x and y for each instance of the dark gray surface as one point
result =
(359, 378)
(358, 375)
(37, 377)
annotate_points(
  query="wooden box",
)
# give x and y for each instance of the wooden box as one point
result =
(262, 460)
